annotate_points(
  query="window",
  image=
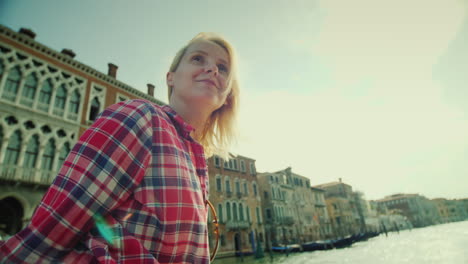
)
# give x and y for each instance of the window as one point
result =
(226, 165)
(237, 186)
(13, 149)
(60, 99)
(228, 211)
(228, 185)
(241, 212)
(217, 162)
(273, 196)
(95, 109)
(235, 164)
(268, 213)
(252, 169)
(254, 186)
(44, 96)
(74, 104)
(265, 194)
(63, 155)
(12, 83)
(246, 191)
(234, 211)
(30, 156)
(29, 90)
(120, 97)
(257, 212)
(218, 184)
(48, 155)
(247, 210)
(242, 166)
(220, 213)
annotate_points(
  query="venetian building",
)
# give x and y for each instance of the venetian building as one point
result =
(323, 229)
(235, 194)
(288, 208)
(47, 99)
(342, 208)
(419, 210)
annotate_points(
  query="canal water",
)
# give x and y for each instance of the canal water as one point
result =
(441, 244)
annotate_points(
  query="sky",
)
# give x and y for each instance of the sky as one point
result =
(370, 91)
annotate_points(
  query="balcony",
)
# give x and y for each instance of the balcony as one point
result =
(28, 175)
(239, 195)
(58, 111)
(237, 225)
(228, 193)
(72, 116)
(287, 220)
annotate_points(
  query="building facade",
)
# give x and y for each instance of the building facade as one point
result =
(235, 193)
(345, 208)
(47, 100)
(419, 210)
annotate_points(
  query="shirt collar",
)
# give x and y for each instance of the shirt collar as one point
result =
(183, 127)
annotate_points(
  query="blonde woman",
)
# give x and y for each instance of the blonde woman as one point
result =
(133, 189)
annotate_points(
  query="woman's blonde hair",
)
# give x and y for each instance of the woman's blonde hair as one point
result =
(220, 129)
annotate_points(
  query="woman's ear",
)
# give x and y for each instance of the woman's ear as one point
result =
(170, 79)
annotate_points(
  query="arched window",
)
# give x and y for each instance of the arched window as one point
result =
(234, 211)
(220, 213)
(60, 98)
(44, 96)
(241, 212)
(48, 156)
(29, 90)
(228, 211)
(30, 156)
(95, 108)
(247, 210)
(255, 189)
(13, 149)
(12, 83)
(75, 102)
(63, 155)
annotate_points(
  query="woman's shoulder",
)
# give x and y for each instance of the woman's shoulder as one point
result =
(140, 105)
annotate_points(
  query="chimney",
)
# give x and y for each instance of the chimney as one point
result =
(339, 179)
(27, 32)
(150, 89)
(112, 72)
(69, 53)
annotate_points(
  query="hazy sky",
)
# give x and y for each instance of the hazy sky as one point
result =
(374, 92)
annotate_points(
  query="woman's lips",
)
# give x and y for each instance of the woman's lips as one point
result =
(210, 82)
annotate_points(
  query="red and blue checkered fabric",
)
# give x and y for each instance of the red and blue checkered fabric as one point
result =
(136, 168)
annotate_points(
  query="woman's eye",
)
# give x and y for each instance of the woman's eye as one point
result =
(222, 68)
(197, 58)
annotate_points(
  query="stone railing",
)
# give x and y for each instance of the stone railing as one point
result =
(235, 225)
(27, 175)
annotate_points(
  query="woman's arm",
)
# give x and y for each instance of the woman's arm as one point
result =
(101, 171)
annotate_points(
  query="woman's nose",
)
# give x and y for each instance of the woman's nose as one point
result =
(212, 68)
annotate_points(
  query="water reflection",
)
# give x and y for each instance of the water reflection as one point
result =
(444, 243)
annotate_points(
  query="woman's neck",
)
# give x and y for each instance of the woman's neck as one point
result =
(195, 116)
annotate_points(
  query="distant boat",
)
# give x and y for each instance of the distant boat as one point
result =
(287, 248)
(318, 245)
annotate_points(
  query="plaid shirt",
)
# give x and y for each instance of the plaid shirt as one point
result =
(136, 169)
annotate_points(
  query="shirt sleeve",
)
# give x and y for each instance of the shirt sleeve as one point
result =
(103, 168)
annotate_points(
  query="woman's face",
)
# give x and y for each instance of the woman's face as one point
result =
(201, 76)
